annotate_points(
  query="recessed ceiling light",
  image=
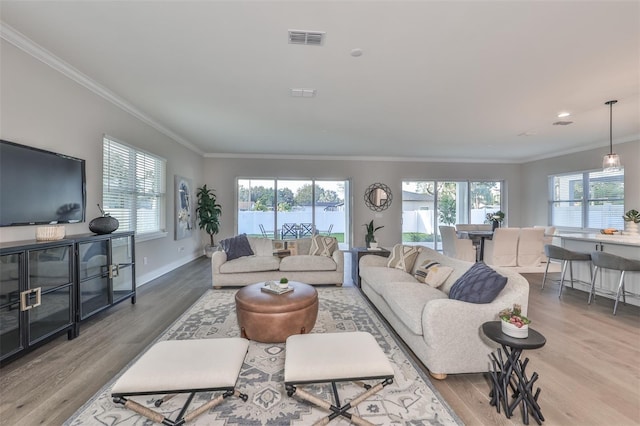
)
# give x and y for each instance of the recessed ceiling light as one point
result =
(562, 123)
(564, 114)
(356, 52)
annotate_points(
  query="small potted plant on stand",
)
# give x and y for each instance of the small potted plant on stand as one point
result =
(370, 237)
(631, 220)
(209, 212)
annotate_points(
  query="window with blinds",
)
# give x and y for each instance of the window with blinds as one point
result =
(592, 199)
(133, 187)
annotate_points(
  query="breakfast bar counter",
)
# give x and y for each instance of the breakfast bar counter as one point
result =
(627, 246)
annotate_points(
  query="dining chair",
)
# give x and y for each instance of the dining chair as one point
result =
(502, 249)
(328, 231)
(455, 247)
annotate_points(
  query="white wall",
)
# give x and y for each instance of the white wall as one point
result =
(535, 177)
(42, 108)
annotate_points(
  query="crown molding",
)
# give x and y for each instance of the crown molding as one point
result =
(358, 158)
(28, 46)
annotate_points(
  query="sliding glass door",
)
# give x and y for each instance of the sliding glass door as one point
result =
(428, 204)
(287, 208)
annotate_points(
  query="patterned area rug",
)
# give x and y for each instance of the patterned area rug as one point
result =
(410, 400)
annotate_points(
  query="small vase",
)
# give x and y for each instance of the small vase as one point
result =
(513, 331)
(494, 225)
(104, 225)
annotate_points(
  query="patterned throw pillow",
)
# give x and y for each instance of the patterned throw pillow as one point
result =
(480, 284)
(403, 257)
(323, 246)
(433, 273)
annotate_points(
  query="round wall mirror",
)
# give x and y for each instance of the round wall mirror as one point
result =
(378, 197)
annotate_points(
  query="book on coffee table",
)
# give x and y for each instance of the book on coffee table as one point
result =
(272, 290)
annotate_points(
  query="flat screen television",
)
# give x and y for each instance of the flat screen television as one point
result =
(40, 187)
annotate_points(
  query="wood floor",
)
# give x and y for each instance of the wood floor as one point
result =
(589, 369)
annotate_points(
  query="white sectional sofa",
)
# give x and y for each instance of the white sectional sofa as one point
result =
(444, 334)
(263, 265)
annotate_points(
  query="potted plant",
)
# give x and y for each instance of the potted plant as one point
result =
(495, 219)
(208, 212)
(513, 323)
(370, 237)
(631, 219)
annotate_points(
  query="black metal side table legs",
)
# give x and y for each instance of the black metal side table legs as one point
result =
(509, 376)
(510, 385)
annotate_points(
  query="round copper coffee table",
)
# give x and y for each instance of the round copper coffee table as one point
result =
(271, 318)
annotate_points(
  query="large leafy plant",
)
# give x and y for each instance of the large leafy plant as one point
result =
(208, 211)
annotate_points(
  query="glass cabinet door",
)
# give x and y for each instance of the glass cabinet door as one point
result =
(93, 273)
(10, 340)
(53, 314)
(122, 255)
(51, 280)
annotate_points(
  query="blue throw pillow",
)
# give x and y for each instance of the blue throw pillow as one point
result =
(236, 247)
(480, 284)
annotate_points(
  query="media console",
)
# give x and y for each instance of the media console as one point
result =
(48, 288)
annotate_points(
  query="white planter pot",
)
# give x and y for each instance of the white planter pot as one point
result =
(209, 249)
(513, 331)
(631, 228)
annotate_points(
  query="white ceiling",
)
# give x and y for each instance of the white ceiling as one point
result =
(438, 80)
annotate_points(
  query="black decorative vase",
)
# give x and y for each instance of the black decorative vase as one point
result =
(495, 224)
(104, 225)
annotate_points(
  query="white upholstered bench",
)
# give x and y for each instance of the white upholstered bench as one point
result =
(183, 366)
(331, 358)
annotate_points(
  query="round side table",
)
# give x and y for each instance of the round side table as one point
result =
(510, 373)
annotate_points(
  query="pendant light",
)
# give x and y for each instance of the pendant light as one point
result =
(611, 161)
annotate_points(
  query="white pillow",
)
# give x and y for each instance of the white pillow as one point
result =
(433, 273)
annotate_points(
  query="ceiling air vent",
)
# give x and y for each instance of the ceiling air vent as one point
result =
(562, 123)
(311, 38)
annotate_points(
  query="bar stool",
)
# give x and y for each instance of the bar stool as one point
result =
(566, 256)
(610, 261)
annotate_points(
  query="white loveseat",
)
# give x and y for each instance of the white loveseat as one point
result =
(444, 334)
(263, 265)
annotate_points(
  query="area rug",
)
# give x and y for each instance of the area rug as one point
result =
(410, 400)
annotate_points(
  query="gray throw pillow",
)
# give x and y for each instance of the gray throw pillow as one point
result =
(236, 247)
(480, 284)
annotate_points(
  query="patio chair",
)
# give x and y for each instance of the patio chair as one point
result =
(328, 231)
(289, 230)
(265, 233)
(306, 229)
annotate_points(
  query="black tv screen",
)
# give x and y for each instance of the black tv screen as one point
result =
(40, 187)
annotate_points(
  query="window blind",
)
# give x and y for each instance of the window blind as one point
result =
(133, 187)
(600, 205)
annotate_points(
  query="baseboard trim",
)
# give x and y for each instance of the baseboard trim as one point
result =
(157, 273)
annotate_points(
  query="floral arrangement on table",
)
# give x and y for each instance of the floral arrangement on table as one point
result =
(514, 324)
(495, 216)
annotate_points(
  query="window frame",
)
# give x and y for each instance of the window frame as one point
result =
(586, 209)
(130, 195)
